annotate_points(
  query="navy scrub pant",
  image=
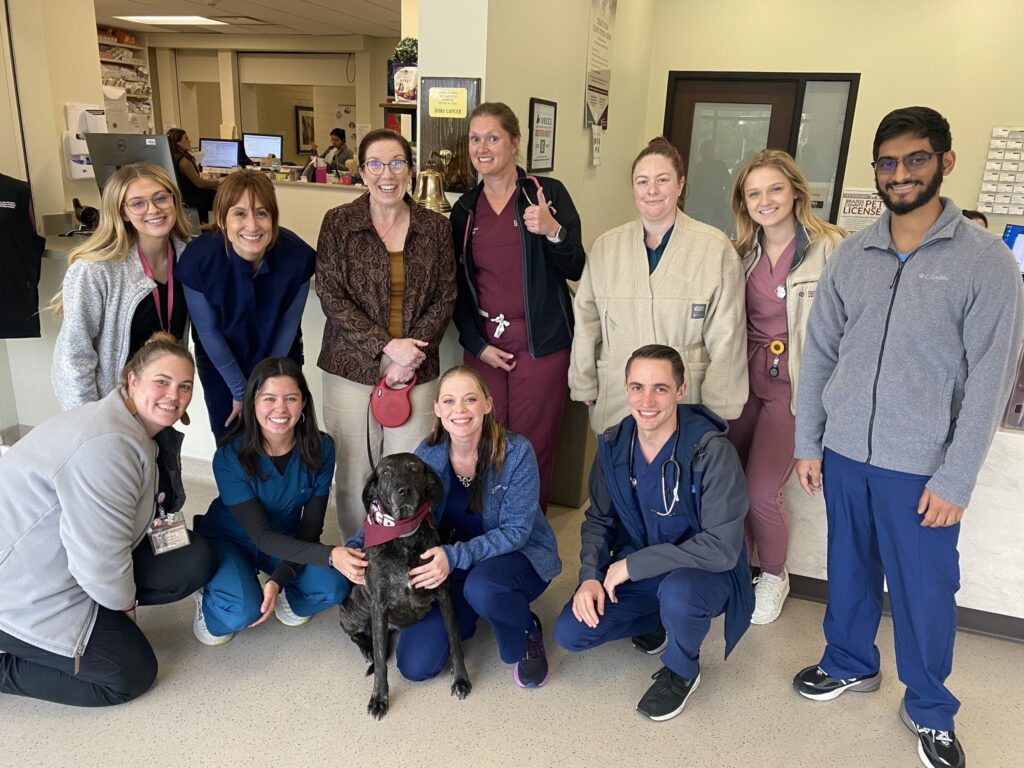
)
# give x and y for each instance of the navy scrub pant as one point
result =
(874, 531)
(233, 597)
(500, 590)
(118, 664)
(684, 601)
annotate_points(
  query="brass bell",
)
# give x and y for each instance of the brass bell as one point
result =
(430, 183)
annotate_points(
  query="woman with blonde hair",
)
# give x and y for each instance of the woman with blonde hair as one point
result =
(119, 288)
(784, 248)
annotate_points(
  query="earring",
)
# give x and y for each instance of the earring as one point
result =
(185, 419)
(129, 403)
(302, 417)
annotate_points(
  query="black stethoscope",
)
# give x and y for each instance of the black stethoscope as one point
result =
(669, 462)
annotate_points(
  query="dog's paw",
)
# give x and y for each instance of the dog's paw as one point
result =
(461, 688)
(378, 707)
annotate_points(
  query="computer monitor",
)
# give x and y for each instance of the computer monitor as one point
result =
(221, 153)
(110, 151)
(1013, 236)
(263, 144)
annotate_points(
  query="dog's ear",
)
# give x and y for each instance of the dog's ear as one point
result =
(434, 486)
(370, 490)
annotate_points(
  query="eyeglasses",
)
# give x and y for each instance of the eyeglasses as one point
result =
(376, 167)
(913, 162)
(141, 204)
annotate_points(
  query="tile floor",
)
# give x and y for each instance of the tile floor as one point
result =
(278, 696)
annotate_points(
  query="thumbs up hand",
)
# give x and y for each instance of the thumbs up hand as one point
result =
(538, 219)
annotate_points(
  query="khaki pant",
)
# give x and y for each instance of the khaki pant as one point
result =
(345, 419)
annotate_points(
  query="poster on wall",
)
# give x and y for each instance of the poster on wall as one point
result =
(1002, 182)
(599, 62)
(540, 153)
(859, 209)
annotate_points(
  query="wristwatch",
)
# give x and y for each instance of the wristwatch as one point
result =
(559, 235)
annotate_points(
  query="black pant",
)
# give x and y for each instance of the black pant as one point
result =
(118, 664)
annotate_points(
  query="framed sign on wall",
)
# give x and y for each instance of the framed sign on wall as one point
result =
(540, 152)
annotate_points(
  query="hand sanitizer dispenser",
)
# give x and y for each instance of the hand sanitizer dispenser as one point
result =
(80, 119)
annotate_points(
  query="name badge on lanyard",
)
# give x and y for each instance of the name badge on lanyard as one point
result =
(148, 270)
(167, 531)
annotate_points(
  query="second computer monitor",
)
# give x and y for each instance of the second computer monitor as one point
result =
(263, 144)
(220, 153)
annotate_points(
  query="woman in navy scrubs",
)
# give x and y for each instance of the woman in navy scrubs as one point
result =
(274, 475)
(246, 285)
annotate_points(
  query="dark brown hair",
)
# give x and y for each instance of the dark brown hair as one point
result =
(659, 352)
(659, 145)
(383, 134)
(493, 442)
(307, 433)
(246, 182)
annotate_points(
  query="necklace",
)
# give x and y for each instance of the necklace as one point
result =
(466, 481)
(384, 235)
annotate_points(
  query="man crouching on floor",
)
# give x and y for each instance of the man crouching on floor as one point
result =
(663, 536)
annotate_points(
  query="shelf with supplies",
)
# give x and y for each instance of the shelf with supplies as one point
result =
(128, 90)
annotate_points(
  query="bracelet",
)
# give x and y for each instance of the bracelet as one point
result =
(330, 561)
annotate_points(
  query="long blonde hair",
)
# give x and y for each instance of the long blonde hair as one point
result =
(746, 228)
(114, 237)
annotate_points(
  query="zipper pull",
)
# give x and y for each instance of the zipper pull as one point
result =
(897, 275)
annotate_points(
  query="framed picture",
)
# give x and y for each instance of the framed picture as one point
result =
(540, 152)
(305, 135)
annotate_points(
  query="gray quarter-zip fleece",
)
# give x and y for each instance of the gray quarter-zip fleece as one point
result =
(908, 367)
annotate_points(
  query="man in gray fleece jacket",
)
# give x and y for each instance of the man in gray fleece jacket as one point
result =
(912, 346)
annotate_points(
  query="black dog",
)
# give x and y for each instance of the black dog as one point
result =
(398, 489)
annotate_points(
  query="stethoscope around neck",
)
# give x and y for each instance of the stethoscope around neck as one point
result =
(669, 462)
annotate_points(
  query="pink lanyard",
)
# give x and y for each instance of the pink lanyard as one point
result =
(148, 270)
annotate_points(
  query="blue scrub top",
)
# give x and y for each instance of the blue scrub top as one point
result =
(457, 523)
(661, 528)
(282, 495)
(249, 307)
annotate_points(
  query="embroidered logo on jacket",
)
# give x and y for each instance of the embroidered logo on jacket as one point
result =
(926, 276)
(698, 311)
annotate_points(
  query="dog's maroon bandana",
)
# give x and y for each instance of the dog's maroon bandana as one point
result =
(379, 527)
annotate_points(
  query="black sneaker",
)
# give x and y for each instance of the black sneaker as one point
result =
(814, 683)
(653, 642)
(667, 697)
(937, 749)
(531, 671)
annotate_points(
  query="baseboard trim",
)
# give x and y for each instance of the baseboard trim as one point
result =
(968, 619)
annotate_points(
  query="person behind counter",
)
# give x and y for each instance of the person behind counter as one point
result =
(665, 278)
(196, 191)
(386, 281)
(517, 240)
(784, 247)
(338, 153)
(120, 286)
(273, 474)
(81, 492)
(246, 285)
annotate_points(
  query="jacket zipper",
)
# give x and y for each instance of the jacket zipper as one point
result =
(893, 286)
(523, 260)
(465, 268)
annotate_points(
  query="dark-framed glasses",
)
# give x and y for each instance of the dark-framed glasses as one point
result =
(376, 167)
(912, 162)
(141, 205)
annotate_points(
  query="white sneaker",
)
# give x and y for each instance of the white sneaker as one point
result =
(285, 614)
(770, 593)
(203, 635)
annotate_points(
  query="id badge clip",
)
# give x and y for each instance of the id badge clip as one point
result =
(167, 532)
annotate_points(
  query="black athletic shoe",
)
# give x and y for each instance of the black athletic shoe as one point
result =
(532, 670)
(937, 749)
(814, 683)
(667, 697)
(653, 642)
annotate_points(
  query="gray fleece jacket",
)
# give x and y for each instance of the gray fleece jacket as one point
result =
(78, 493)
(100, 299)
(908, 367)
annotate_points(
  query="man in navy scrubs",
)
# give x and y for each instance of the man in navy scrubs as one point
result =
(663, 537)
(911, 351)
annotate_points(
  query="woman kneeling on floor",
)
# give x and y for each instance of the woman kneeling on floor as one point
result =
(498, 549)
(273, 473)
(80, 494)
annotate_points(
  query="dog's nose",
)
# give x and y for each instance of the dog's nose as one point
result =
(402, 491)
